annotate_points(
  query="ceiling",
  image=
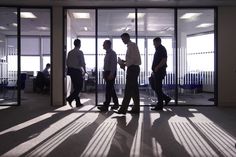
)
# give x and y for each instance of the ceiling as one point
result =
(152, 22)
(29, 26)
(111, 22)
(117, 3)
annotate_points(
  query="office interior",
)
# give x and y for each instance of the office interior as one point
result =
(200, 74)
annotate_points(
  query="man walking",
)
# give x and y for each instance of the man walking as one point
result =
(109, 75)
(132, 62)
(159, 66)
(76, 69)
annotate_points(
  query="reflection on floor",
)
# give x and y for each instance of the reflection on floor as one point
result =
(149, 98)
(37, 129)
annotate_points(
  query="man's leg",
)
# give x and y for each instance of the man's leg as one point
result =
(80, 86)
(135, 93)
(107, 97)
(128, 92)
(114, 96)
(159, 92)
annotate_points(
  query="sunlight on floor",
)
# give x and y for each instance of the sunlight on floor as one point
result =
(116, 135)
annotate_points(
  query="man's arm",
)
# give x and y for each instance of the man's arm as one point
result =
(161, 64)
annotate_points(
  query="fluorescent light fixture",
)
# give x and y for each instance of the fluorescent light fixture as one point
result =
(3, 28)
(11, 46)
(132, 15)
(42, 28)
(1, 41)
(190, 15)
(86, 28)
(14, 24)
(204, 25)
(81, 15)
(27, 15)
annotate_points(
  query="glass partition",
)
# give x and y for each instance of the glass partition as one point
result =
(81, 25)
(111, 24)
(8, 56)
(156, 23)
(35, 53)
(190, 66)
(196, 56)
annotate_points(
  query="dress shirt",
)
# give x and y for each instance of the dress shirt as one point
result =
(75, 59)
(132, 54)
(110, 61)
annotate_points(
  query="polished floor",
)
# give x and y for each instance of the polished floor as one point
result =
(37, 129)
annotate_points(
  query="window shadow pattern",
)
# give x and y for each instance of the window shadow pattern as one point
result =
(172, 132)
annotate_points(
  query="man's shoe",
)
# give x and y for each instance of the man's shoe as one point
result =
(79, 104)
(121, 112)
(114, 107)
(167, 101)
(102, 108)
(69, 102)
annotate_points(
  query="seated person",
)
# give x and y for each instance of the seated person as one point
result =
(42, 81)
(46, 71)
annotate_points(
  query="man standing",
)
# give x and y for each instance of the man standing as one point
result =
(133, 60)
(159, 66)
(109, 75)
(76, 69)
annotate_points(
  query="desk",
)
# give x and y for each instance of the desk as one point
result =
(29, 85)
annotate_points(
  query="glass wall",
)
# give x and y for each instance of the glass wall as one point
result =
(196, 56)
(190, 71)
(35, 53)
(8, 54)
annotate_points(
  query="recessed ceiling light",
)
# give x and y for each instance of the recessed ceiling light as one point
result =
(81, 15)
(190, 15)
(14, 24)
(1, 41)
(132, 15)
(42, 28)
(86, 28)
(204, 25)
(3, 28)
(27, 15)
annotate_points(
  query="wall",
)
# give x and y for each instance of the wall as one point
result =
(226, 56)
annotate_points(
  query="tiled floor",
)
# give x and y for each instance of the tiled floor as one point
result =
(37, 129)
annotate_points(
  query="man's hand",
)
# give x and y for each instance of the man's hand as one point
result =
(121, 63)
(156, 69)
